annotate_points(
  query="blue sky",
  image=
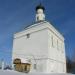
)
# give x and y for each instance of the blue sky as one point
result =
(17, 14)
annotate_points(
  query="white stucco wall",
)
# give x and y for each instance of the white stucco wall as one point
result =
(39, 48)
(35, 47)
(56, 54)
(36, 44)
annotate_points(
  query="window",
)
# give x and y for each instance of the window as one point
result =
(37, 18)
(28, 35)
(52, 41)
(34, 66)
(57, 45)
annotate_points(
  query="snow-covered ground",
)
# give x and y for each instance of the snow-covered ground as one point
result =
(11, 72)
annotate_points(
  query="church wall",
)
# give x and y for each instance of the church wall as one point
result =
(56, 52)
(55, 46)
(36, 44)
(55, 67)
(35, 48)
(43, 45)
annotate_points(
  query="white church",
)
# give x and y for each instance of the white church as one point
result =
(39, 47)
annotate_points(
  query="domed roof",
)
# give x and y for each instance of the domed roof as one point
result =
(40, 7)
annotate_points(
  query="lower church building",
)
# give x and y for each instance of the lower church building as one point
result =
(39, 47)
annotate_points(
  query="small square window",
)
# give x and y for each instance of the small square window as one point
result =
(34, 66)
(28, 35)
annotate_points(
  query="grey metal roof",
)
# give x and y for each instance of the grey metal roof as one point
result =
(31, 25)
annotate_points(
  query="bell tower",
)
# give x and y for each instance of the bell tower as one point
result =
(40, 16)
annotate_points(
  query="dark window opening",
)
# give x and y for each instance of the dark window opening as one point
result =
(34, 66)
(28, 35)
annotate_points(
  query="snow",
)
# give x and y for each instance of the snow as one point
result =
(24, 60)
(11, 72)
